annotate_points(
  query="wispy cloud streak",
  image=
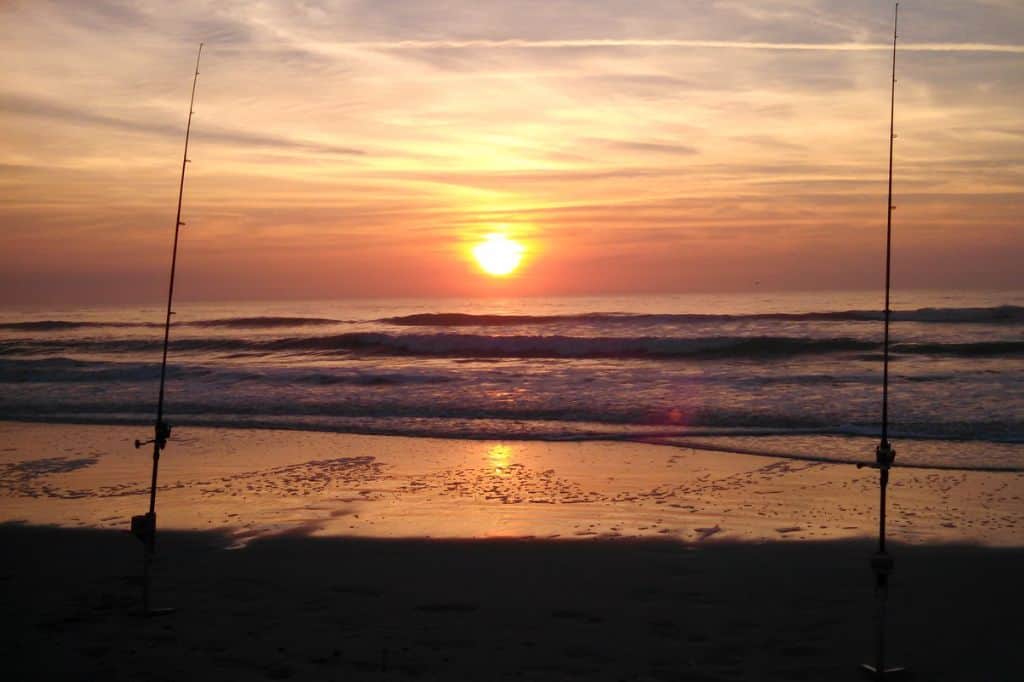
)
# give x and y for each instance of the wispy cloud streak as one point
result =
(515, 43)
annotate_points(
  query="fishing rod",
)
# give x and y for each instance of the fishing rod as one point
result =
(144, 525)
(881, 562)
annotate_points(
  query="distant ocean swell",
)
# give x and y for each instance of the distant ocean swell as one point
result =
(1006, 314)
(447, 345)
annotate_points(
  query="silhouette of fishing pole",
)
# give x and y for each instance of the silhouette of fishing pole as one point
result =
(881, 562)
(144, 525)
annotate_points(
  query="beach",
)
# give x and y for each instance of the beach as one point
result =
(508, 341)
(304, 555)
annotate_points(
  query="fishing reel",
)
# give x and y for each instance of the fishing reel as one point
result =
(163, 434)
(884, 457)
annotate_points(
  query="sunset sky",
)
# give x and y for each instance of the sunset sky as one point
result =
(362, 148)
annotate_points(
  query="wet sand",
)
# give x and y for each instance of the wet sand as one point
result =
(358, 557)
(252, 483)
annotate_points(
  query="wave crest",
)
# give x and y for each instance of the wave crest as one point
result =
(1004, 314)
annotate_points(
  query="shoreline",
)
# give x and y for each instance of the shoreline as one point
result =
(686, 441)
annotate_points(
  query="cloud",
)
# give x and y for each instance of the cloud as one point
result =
(519, 43)
(665, 148)
(37, 108)
(323, 122)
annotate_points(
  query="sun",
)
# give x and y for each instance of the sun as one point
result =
(498, 255)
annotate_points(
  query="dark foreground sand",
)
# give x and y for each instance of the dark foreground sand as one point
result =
(334, 608)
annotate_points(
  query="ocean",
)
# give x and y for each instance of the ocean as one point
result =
(787, 374)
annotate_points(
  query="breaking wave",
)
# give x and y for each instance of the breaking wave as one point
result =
(264, 322)
(1005, 314)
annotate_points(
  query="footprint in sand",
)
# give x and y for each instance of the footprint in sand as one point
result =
(705, 533)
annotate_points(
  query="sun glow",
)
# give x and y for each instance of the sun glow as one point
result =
(498, 255)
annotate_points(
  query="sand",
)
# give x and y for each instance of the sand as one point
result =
(297, 555)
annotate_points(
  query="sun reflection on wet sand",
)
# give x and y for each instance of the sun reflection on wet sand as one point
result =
(500, 457)
(253, 484)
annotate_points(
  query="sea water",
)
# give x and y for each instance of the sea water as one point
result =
(790, 374)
